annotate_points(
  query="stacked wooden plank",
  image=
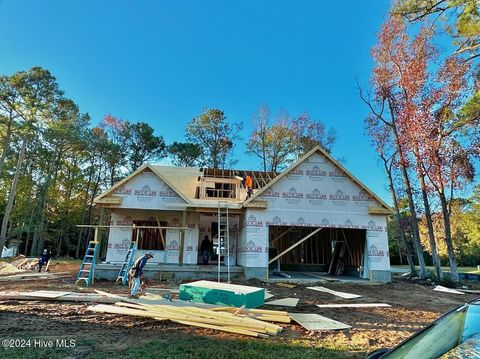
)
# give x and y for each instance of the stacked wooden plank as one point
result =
(250, 322)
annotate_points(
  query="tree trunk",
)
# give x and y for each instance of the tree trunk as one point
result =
(414, 223)
(411, 203)
(428, 217)
(84, 211)
(448, 238)
(37, 243)
(11, 197)
(6, 146)
(408, 254)
(27, 240)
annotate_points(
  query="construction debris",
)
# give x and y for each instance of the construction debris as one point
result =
(317, 322)
(268, 295)
(8, 269)
(440, 288)
(470, 291)
(285, 302)
(57, 296)
(34, 276)
(333, 292)
(22, 262)
(359, 305)
(250, 322)
(17, 265)
(286, 285)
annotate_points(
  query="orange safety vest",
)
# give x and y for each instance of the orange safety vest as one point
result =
(248, 182)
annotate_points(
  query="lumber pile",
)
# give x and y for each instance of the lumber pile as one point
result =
(18, 264)
(250, 322)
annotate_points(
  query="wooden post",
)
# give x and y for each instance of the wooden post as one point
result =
(295, 245)
(161, 233)
(182, 237)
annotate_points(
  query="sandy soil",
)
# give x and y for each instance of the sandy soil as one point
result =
(413, 307)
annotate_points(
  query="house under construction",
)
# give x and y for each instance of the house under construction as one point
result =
(314, 217)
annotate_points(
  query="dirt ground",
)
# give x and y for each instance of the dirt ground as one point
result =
(413, 307)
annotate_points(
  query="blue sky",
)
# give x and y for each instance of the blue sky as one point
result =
(163, 61)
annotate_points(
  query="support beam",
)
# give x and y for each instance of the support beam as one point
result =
(101, 226)
(182, 237)
(296, 244)
(280, 236)
(161, 233)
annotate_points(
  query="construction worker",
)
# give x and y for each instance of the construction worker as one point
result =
(45, 257)
(249, 186)
(137, 273)
(206, 248)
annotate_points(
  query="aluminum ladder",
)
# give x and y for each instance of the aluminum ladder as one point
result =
(223, 237)
(87, 269)
(127, 262)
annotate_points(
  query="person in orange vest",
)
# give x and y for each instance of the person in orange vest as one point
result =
(248, 186)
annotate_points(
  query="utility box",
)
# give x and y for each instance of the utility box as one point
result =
(222, 294)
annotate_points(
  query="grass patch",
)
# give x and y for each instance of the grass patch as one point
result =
(212, 348)
(182, 346)
(472, 270)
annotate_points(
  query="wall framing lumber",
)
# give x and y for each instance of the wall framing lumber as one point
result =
(295, 245)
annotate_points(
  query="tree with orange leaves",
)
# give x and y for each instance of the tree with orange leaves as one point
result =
(422, 95)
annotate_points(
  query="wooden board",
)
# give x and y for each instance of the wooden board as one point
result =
(443, 289)
(335, 293)
(55, 296)
(46, 294)
(470, 291)
(284, 302)
(358, 305)
(222, 294)
(34, 276)
(317, 322)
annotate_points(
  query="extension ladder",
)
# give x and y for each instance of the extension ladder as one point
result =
(86, 272)
(223, 237)
(127, 262)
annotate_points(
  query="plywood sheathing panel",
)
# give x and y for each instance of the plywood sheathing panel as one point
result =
(335, 293)
(317, 322)
(284, 302)
(440, 288)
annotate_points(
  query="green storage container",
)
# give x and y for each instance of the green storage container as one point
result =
(222, 294)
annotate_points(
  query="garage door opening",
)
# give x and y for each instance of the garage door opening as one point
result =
(334, 251)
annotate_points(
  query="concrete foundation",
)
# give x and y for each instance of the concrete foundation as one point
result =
(256, 273)
(110, 271)
(381, 276)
